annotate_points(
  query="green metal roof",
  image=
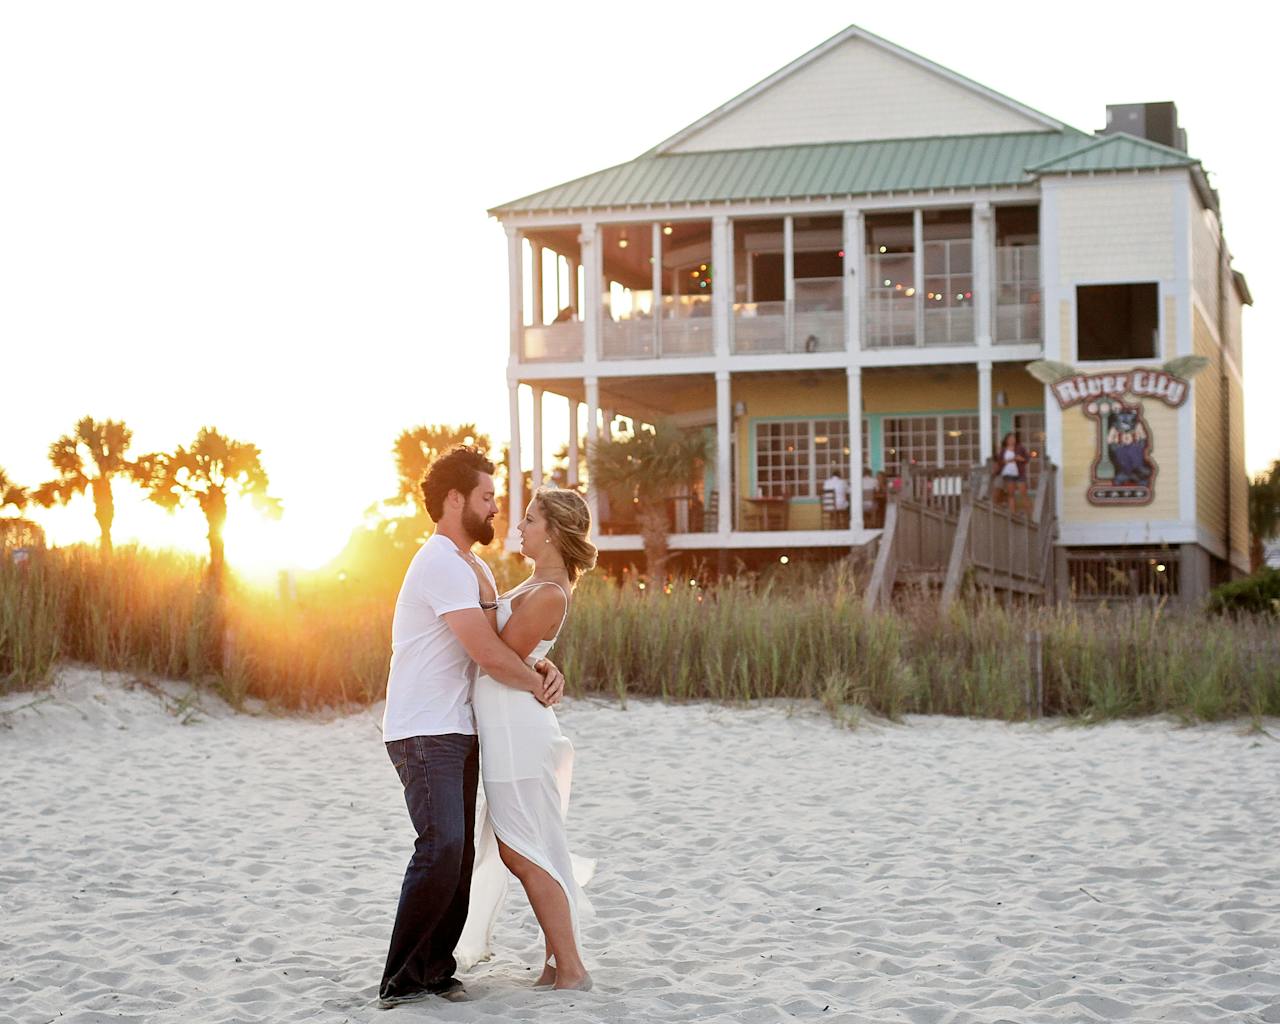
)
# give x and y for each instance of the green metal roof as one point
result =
(1116, 152)
(846, 168)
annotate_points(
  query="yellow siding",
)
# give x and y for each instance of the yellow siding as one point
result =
(1022, 389)
(924, 389)
(1211, 442)
(1239, 476)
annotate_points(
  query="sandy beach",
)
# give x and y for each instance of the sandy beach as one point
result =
(165, 859)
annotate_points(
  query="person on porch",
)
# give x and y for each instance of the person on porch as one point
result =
(839, 489)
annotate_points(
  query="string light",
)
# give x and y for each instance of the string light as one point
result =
(784, 560)
(666, 229)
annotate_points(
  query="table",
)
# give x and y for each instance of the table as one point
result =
(772, 511)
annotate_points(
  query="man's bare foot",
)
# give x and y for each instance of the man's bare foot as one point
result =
(566, 982)
(547, 978)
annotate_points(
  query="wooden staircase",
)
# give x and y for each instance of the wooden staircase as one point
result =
(944, 525)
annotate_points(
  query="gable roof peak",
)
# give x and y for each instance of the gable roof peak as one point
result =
(850, 33)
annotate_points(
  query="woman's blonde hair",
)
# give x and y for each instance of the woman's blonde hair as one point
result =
(569, 522)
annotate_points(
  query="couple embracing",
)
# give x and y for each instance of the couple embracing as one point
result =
(469, 698)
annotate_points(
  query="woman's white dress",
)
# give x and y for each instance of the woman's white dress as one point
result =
(526, 766)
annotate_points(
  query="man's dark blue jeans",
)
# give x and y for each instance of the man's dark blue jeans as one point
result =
(439, 775)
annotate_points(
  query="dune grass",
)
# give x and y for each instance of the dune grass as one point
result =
(800, 634)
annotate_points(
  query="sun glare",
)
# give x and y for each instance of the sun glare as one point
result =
(257, 547)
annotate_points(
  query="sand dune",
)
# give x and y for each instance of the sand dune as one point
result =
(755, 865)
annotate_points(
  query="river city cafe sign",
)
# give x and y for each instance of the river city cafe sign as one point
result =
(1123, 470)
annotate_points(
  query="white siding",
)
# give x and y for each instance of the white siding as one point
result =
(1204, 251)
(857, 91)
(1116, 232)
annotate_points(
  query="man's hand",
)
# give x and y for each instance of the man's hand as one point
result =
(552, 683)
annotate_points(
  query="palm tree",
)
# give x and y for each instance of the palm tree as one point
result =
(645, 469)
(211, 468)
(12, 494)
(1264, 511)
(14, 530)
(415, 449)
(86, 460)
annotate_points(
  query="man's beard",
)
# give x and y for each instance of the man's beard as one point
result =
(479, 529)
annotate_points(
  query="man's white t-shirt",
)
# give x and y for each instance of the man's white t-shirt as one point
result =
(840, 488)
(429, 686)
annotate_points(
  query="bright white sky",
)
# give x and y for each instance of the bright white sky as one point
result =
(270, 216)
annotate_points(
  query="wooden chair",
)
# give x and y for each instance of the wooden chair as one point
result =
(830, 514)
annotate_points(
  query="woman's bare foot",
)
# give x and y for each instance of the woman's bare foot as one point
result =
(573, 983)
(547, 978)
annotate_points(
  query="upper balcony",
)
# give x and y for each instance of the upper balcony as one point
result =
(923, 278)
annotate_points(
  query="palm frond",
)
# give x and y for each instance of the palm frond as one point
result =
(1047, 370)
(1185, 367)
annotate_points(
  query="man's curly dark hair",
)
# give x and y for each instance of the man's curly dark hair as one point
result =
(459, 471)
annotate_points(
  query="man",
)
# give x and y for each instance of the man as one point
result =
(438, 638)
(839, 489)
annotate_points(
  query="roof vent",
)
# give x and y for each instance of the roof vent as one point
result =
(1157, 122)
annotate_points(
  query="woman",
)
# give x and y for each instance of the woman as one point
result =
(526, 763)
(1011, 468)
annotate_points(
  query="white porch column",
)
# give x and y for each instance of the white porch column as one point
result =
(853, 286)
(571, 478)
(592, 385)
(722, 283)
(573, 285)
(591, 286)
(789, 281)
(985, 446)
(656, 250)
(515, 290)
(537, 438)
(854, 382)
(917, 270)
(538, 314)
(724, 469)
(983, 275)
(515, 480)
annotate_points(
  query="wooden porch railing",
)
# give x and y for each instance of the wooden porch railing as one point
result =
(945, 522)
(1005, 550)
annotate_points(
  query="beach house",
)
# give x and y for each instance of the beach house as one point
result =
(850, 267)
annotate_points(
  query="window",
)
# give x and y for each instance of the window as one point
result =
(1116, 321)
(945, 442)
(1029, 426)
(784, 459)
(1017, 274)
(961, 446)
(910, 441)
(830, 449)
(948, 282)
(891, 286)
(793, 458)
